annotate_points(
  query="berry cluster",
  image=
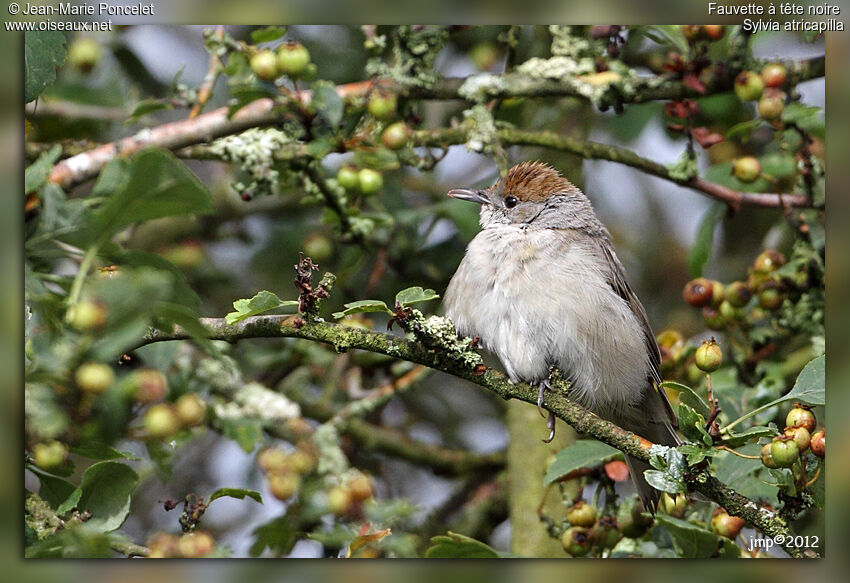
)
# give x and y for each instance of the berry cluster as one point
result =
(787, 449)
(291, 59)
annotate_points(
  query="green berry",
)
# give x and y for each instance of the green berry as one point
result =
(94, 377)
(692, 32)
(161, 421)
(801, 435)
(581, 514)
(86, 316)
(484, 55)
(748, 86)
(273, 461)
(318, 247)
(730, 313)
(674, 506)
(84, 54)
(738, 294)
(771, 104)
(284, 486)
(371, 181)
(360, 488)
(191, 409)
(264, 65)
(713, 319)
(746, 168)
(339, 500)
(49, 454)
(709, 356)
(293, 59)
(784, 451)
(770, 295)
(396, 136)
(347, 178)
(302, 462)
(768, 261)
(383, 106)
(197, 544)
(801, 416)
(576, 541)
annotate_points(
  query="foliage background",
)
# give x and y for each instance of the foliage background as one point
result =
(639, 242)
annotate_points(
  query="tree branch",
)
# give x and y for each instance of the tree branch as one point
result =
(344, 338)
(262, 112)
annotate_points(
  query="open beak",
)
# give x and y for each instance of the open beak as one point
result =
(470, 195)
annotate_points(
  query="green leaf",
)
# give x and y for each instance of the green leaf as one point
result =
(808, 118)
(751, 434)
(36, 173)
(147, 106)
(70, 502)
(695, 453)
(156, 185)
(689, 540)
(327, 102)
(694, 399)
(701, 251)
(106, 489)
(53, 490)
(100, 451)
(278, 535)
(744, 474)
(457, 546)
(44, 51)
(238, 493)
(584, 453)
(664, 482)
(363, 306)
(810, 387)
(245, 432)
(415, 295)
(692, 424)
(743, 129)
(267, 34)
(260, 303)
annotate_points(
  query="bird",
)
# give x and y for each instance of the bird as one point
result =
(541, 287)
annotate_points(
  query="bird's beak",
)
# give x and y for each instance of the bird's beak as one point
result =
(470, 195)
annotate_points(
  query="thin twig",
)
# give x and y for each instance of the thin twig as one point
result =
(208, 84)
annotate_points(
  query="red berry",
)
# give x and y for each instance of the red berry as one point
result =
(774, 75)
(713, 319)
(150, 385)
(692, 32)
(714, 31)
(818, 443)
(698, 292)
(725, 524)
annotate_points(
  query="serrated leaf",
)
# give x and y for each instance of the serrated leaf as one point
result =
(36, 173)
(327, 103)
(279, 535)
(267, 34)
(106, 489)
(808, 118)
(701, 251)
(584, 453)
(695, 453)
(156, 185)
(689, 540)
(44, 51)
(238, 493)
(259, 304)
(692, 424)
(415, 295)
(698, 403)
(247, 433)
(457, 546)
(363, 306)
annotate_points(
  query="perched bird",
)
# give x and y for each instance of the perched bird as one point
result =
(542, 287)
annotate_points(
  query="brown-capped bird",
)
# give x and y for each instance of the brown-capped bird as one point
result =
(542, 287)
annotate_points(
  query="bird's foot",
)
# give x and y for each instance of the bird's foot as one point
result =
(550, 423)
(542, 387)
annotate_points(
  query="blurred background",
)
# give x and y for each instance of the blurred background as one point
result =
(418, 239)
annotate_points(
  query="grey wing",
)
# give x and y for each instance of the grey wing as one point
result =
(618, 282)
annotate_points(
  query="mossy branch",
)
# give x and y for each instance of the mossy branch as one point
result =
(343, 338)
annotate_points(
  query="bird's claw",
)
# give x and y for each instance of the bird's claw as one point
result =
(550, 423)
(541, 389)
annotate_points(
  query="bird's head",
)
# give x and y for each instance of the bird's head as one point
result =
(532, 195)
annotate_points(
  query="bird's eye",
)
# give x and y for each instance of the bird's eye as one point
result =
(511, 202)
